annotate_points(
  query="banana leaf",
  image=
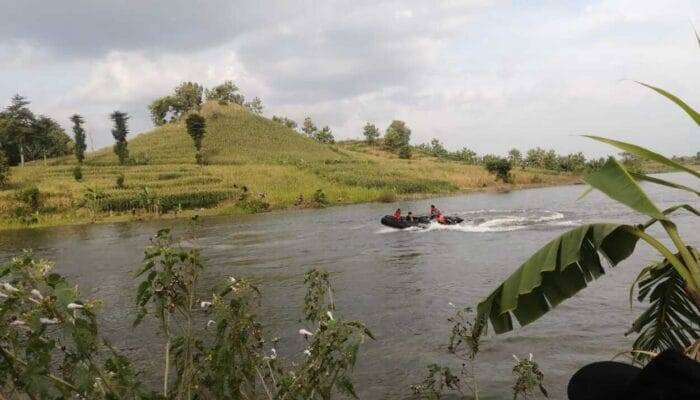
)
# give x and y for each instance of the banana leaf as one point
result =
(663, 182)
(615, 182)
(556, 272)
(645, 153)
(689, 110)
(672, 319)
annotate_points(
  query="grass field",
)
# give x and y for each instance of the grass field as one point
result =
(254, 165)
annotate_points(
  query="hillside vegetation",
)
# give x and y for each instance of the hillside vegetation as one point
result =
(252, 164)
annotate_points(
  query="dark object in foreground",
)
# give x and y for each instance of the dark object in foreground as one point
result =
(420, 221)
(669, 376)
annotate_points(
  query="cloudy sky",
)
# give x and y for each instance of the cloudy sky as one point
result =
(488, 75)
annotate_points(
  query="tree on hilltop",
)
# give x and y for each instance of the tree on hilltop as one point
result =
(370, 132)
(119, 133)
(226, 93)
(196, 127)
(79, 137)
(397, 135)
(309, 128)
(255, 106)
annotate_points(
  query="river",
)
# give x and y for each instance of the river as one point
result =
(399, 282)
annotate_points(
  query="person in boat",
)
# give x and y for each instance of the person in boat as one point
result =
(397, 214)
(441, 218)
(434, 212)
(409, 217)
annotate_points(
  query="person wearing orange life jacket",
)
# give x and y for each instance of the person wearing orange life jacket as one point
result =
(397, 214)
(441, 218)
(434, 212)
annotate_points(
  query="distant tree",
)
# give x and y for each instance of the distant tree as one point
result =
(535, 157)
(188, 97)
(551, 160)
(325, 135)
(196, 127)
(437, 149)
(17, 129)
(255, 106)
(285, 121)
(572, 162)
(500, 167)
(79, 137)
(468, 156)
(119, 132)
(397, 135)
(4, 168)
(632, 162)
(405, 152)
(309, 128)
(225, 93)
(515, 157)
(160, 108)
(370, 132)
(48, 139)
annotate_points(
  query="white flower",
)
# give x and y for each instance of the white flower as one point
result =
(451, 304)
(210, 323)
(74, 306)
(205, 304)
(17, 322)
(330, 315)
(530, 358)
(304, 332)
(232, 279)
(37, 294)
(273, 353)
(517, 360)
(8, 287)
(307, 352)
(49, 321)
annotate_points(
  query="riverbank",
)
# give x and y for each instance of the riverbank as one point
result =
(242, 190)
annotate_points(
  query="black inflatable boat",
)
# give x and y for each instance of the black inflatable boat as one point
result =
(421, 221)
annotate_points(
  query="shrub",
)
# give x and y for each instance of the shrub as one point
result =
(120, 181)
(4, 169)
(320, 199)
(254, 206)
(78, 173)
(500, 167)
(405, 152)
(30, 197)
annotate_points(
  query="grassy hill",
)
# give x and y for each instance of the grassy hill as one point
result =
(254, 164)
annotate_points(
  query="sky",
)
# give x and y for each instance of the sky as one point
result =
(484, 74)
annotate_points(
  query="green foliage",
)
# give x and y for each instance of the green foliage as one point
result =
(4, 169)
(324, 135)
(284, 121)
(226, 93)
(255, 106)
(528, 377)
(254, 206)
(160, 108)
(500, 167)
(78, 173)
(119, 133)
(464, 347)
(405, 152)
(30, 197)
(320, 199)
(370, 132)
(515, 157)
(397, 135)
(120, 181)
(187, 97)
(26, 137)
(309, 128)
(196, 127)
(79, 137)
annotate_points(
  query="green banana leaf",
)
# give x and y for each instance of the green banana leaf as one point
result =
(615, 182)
(663, 182)
(556, 272)
(645, 153)
(689, 110)
(672, 320)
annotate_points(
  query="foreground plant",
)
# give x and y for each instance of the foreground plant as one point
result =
(568, 263)
(214, 347)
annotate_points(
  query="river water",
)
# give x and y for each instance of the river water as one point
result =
(398, 282)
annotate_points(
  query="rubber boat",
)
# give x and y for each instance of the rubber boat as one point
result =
(418, 221)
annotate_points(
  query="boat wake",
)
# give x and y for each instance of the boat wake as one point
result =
(483, 221)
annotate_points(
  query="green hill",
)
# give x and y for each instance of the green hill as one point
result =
(234, 136)
(253, 165)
